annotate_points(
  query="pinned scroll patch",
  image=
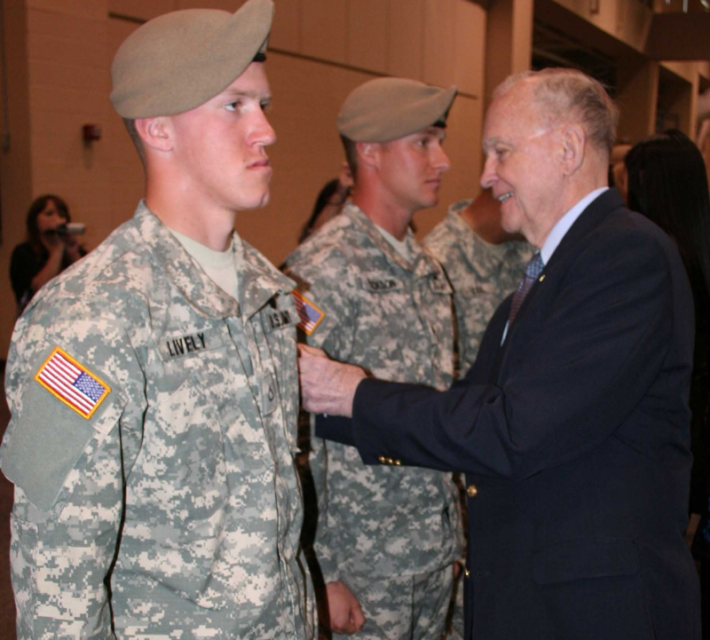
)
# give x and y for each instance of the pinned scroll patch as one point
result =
(72, 383)
(309, 315)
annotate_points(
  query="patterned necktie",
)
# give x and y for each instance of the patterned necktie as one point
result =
(532, 273)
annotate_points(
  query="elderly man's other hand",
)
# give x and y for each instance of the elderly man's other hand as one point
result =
(344, 609)
(327, 386)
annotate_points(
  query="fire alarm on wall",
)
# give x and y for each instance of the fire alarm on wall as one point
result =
(91, 132)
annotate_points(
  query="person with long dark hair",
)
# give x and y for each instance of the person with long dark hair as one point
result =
(667, 182)
(329, 201)
(47, 251)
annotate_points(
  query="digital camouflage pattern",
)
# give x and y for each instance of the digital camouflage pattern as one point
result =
(393, 317)
(481, 274)
(185, 473)
(383, 596)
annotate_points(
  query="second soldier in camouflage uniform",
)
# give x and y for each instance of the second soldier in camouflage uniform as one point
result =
(387, 537)
(153, 402)
(484, 264)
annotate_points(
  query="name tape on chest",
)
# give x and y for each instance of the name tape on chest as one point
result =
(383, 285)
(309, 315)
(72, 383)
(278, 318)
(183, 345)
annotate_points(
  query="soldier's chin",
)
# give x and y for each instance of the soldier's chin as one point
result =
(259, 201)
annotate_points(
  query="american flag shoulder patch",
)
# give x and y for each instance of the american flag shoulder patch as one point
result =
(72, 383)
(309, 315)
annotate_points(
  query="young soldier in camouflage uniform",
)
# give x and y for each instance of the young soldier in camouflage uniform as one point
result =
(386, 537)
(153, 386)
(483, 263)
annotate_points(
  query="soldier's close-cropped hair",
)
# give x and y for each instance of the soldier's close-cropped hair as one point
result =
(133, 132)
(562, 94)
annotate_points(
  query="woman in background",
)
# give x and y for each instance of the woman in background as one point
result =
(47, 251)
(667, 182)
(329, 201)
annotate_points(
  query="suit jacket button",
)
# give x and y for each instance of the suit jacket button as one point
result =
(466, 572)
(390, 461)
(472, 490)
(397, 463)
(382, 459)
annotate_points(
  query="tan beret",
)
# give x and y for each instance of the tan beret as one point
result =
(388, 108)
(180, 60)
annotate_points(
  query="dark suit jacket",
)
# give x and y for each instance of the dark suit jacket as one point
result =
(574, 437)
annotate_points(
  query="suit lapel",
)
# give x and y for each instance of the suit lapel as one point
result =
(589, 220)
(485, 367)
(555, 269)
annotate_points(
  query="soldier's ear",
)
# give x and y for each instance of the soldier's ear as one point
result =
(156, 133)
(368, 154)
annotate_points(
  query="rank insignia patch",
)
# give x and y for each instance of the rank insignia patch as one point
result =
(309, 315)
(72, 383)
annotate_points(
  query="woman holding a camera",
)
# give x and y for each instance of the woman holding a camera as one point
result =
(50, 248)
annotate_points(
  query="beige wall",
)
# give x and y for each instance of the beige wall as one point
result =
(319, 51)
(15, 166)
(59, 55)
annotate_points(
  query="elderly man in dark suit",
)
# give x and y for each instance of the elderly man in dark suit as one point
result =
(572, 427)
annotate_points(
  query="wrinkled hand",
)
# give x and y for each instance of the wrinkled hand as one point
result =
(344, 610)
(327, 386)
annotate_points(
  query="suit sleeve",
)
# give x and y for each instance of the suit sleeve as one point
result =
(68, 472)
(596, 351)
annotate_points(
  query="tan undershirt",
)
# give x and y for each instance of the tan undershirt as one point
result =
(400, 246)
(218, 265)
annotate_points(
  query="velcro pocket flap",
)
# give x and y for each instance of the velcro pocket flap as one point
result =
(45, 441)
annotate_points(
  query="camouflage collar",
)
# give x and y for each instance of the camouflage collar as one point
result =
(474, 248)
(258, 280)
(420, 264)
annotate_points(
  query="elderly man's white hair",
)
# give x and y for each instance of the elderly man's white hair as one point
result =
(564, 94)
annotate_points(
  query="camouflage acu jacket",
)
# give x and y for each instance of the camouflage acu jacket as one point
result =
(394, 318)
(152, 442)
(481, 274)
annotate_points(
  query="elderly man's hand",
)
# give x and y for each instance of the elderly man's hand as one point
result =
(327, 386)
